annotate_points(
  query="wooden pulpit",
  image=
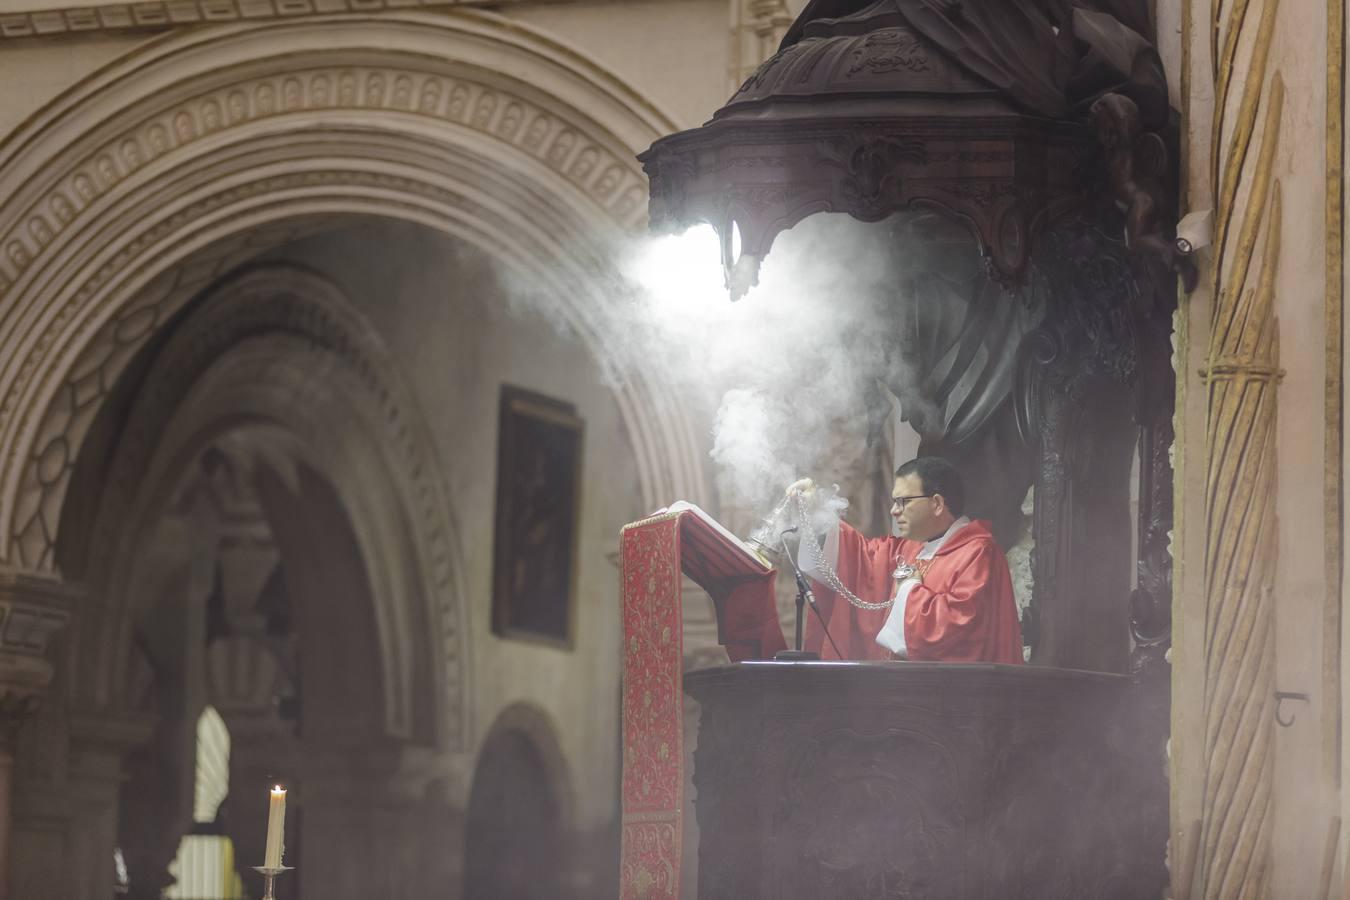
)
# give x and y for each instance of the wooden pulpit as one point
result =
(868, 781)
(883, 781)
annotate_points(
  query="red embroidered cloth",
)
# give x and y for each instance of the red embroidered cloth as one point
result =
(653, 555)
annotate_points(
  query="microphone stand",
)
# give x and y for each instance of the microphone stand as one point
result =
(804, 596)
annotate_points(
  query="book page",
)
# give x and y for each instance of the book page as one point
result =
(686, 506)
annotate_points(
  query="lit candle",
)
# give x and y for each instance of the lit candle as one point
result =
(276, 820)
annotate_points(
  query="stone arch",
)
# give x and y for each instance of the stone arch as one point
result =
(134, 189)
(537, 726)
(278, 350)
(519, 810)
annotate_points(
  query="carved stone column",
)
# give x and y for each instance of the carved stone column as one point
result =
(99, 743)
(33, 609)
(1241, 375)
(66, 801)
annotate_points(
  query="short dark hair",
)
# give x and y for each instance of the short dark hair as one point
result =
(938, 477)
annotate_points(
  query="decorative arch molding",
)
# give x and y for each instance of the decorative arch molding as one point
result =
(180, 154)
(279, 351)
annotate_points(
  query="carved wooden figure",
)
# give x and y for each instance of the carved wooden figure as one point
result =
(1135, 162)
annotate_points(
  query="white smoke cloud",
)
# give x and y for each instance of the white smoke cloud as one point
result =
(790, 364)
(782, 374)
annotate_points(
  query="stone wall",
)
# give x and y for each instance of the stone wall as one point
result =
(459, 338)
(434, 302)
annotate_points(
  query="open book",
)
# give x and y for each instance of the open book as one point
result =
(711, 549)
(739, 581)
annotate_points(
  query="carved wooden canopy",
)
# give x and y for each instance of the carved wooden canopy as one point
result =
(864, 114)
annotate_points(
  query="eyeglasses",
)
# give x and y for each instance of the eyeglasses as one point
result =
(899, 502)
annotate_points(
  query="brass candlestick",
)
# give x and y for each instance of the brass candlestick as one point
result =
(270, 874)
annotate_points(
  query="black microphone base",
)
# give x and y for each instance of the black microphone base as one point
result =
(795, 655)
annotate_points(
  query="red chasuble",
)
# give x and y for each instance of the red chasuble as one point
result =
(962, 612)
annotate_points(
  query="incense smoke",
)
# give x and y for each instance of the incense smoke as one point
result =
(792, 368)
(791, 377)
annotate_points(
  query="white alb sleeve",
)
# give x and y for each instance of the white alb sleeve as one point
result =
(892, 634)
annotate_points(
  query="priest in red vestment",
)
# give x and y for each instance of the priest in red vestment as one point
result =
(947, 581)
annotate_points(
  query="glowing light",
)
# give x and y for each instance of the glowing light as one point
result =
(682, 269)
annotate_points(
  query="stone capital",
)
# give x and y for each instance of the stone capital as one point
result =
(33, 609)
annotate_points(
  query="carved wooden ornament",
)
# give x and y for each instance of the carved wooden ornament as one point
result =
(863, 115)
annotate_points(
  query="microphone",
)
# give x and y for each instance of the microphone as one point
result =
(802, 584)
(804, 590)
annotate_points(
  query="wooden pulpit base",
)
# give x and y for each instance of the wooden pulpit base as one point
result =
(881, 781)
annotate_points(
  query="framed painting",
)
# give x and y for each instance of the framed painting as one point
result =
(539, 443)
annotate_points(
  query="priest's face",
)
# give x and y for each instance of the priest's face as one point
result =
(918, 517)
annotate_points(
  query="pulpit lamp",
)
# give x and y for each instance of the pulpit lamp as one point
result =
(742, 276)
(740, 270)
(1196, 230)
(862, 114)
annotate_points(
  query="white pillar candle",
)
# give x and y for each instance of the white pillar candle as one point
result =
(276, 822)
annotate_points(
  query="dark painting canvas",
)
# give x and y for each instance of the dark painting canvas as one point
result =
(539, 464)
